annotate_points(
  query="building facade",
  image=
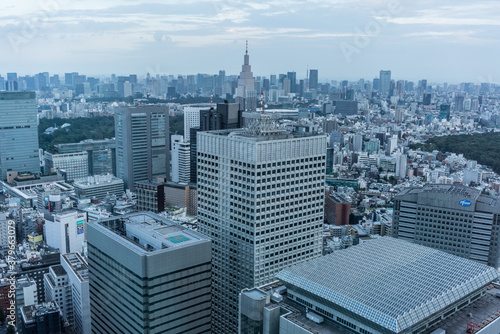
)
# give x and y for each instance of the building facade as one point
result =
(74, 165)
(143, 257)
(180, 159)
(150, 196)
(260, 199)
(101, 154)
(455, 219)
(67, 231)
(142, 144)
(78, 280)
(18, 133)
(99, 186)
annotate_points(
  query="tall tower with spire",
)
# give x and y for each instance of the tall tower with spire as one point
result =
(246, 95)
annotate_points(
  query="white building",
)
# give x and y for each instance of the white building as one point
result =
(26, 292)
(401, 162)
(76, 165)
(67, 231)
(474, 176)
(78, 279)
(180, 160)
(57, 289)
(261, 200)
(192, 118)
(392, 144)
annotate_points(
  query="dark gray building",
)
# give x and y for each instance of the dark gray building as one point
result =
(455, 219)
(313, 79)
(226, 116)
(18, 133)
(142, 144)
(149, 275)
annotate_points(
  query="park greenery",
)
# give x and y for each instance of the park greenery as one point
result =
(87, 128)
(483, 147)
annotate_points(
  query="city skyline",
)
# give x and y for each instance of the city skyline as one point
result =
(445, 42)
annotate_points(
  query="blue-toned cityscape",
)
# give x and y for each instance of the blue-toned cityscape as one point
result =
(358, 195)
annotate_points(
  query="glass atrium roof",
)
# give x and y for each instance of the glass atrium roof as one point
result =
(391, 282)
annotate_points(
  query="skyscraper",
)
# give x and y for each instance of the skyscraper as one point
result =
(180, 159)
(293, 81)
(148, 275)
(385, 81)
(246, 95)
(142, 144)
(226, 116)
(260, 199)
(18, 133)
(313, 79)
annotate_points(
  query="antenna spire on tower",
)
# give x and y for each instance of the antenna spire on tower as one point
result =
(246, 51)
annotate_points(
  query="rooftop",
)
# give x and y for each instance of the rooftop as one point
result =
(150, 232)
(78, 265)
(390, 282)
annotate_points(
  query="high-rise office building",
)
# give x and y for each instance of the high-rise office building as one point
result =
(260, 199)
(192, 119)
(246, 95)
(455, 219)
(226, 116)
(148, 275)
(293, 81)
(77, 274)
(181, 168)
(313, 79)
(142, 144)
(18, 133)
(385, 81)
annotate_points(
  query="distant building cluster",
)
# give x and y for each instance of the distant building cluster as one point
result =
(282, 206)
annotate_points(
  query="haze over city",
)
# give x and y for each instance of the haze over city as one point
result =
(445, 41)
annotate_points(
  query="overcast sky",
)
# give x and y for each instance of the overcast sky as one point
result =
(442, 41)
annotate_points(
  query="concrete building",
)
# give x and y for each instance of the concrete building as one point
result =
(67, 231)
(144, 257)
(150, 196)
(337, 209)
(192, 118)
(385, 82)
(313, 79)
(226, 116)
(58, 290)
(18, 133)
(142, 144)
(183, 196)
(180, 151)
(256, 186)
(26, 294)
(42, 318)
(78, 280)
(101, 154)
(99, 186)
(37, 269)
(402, 288)
(455, 219)
(75, 165)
